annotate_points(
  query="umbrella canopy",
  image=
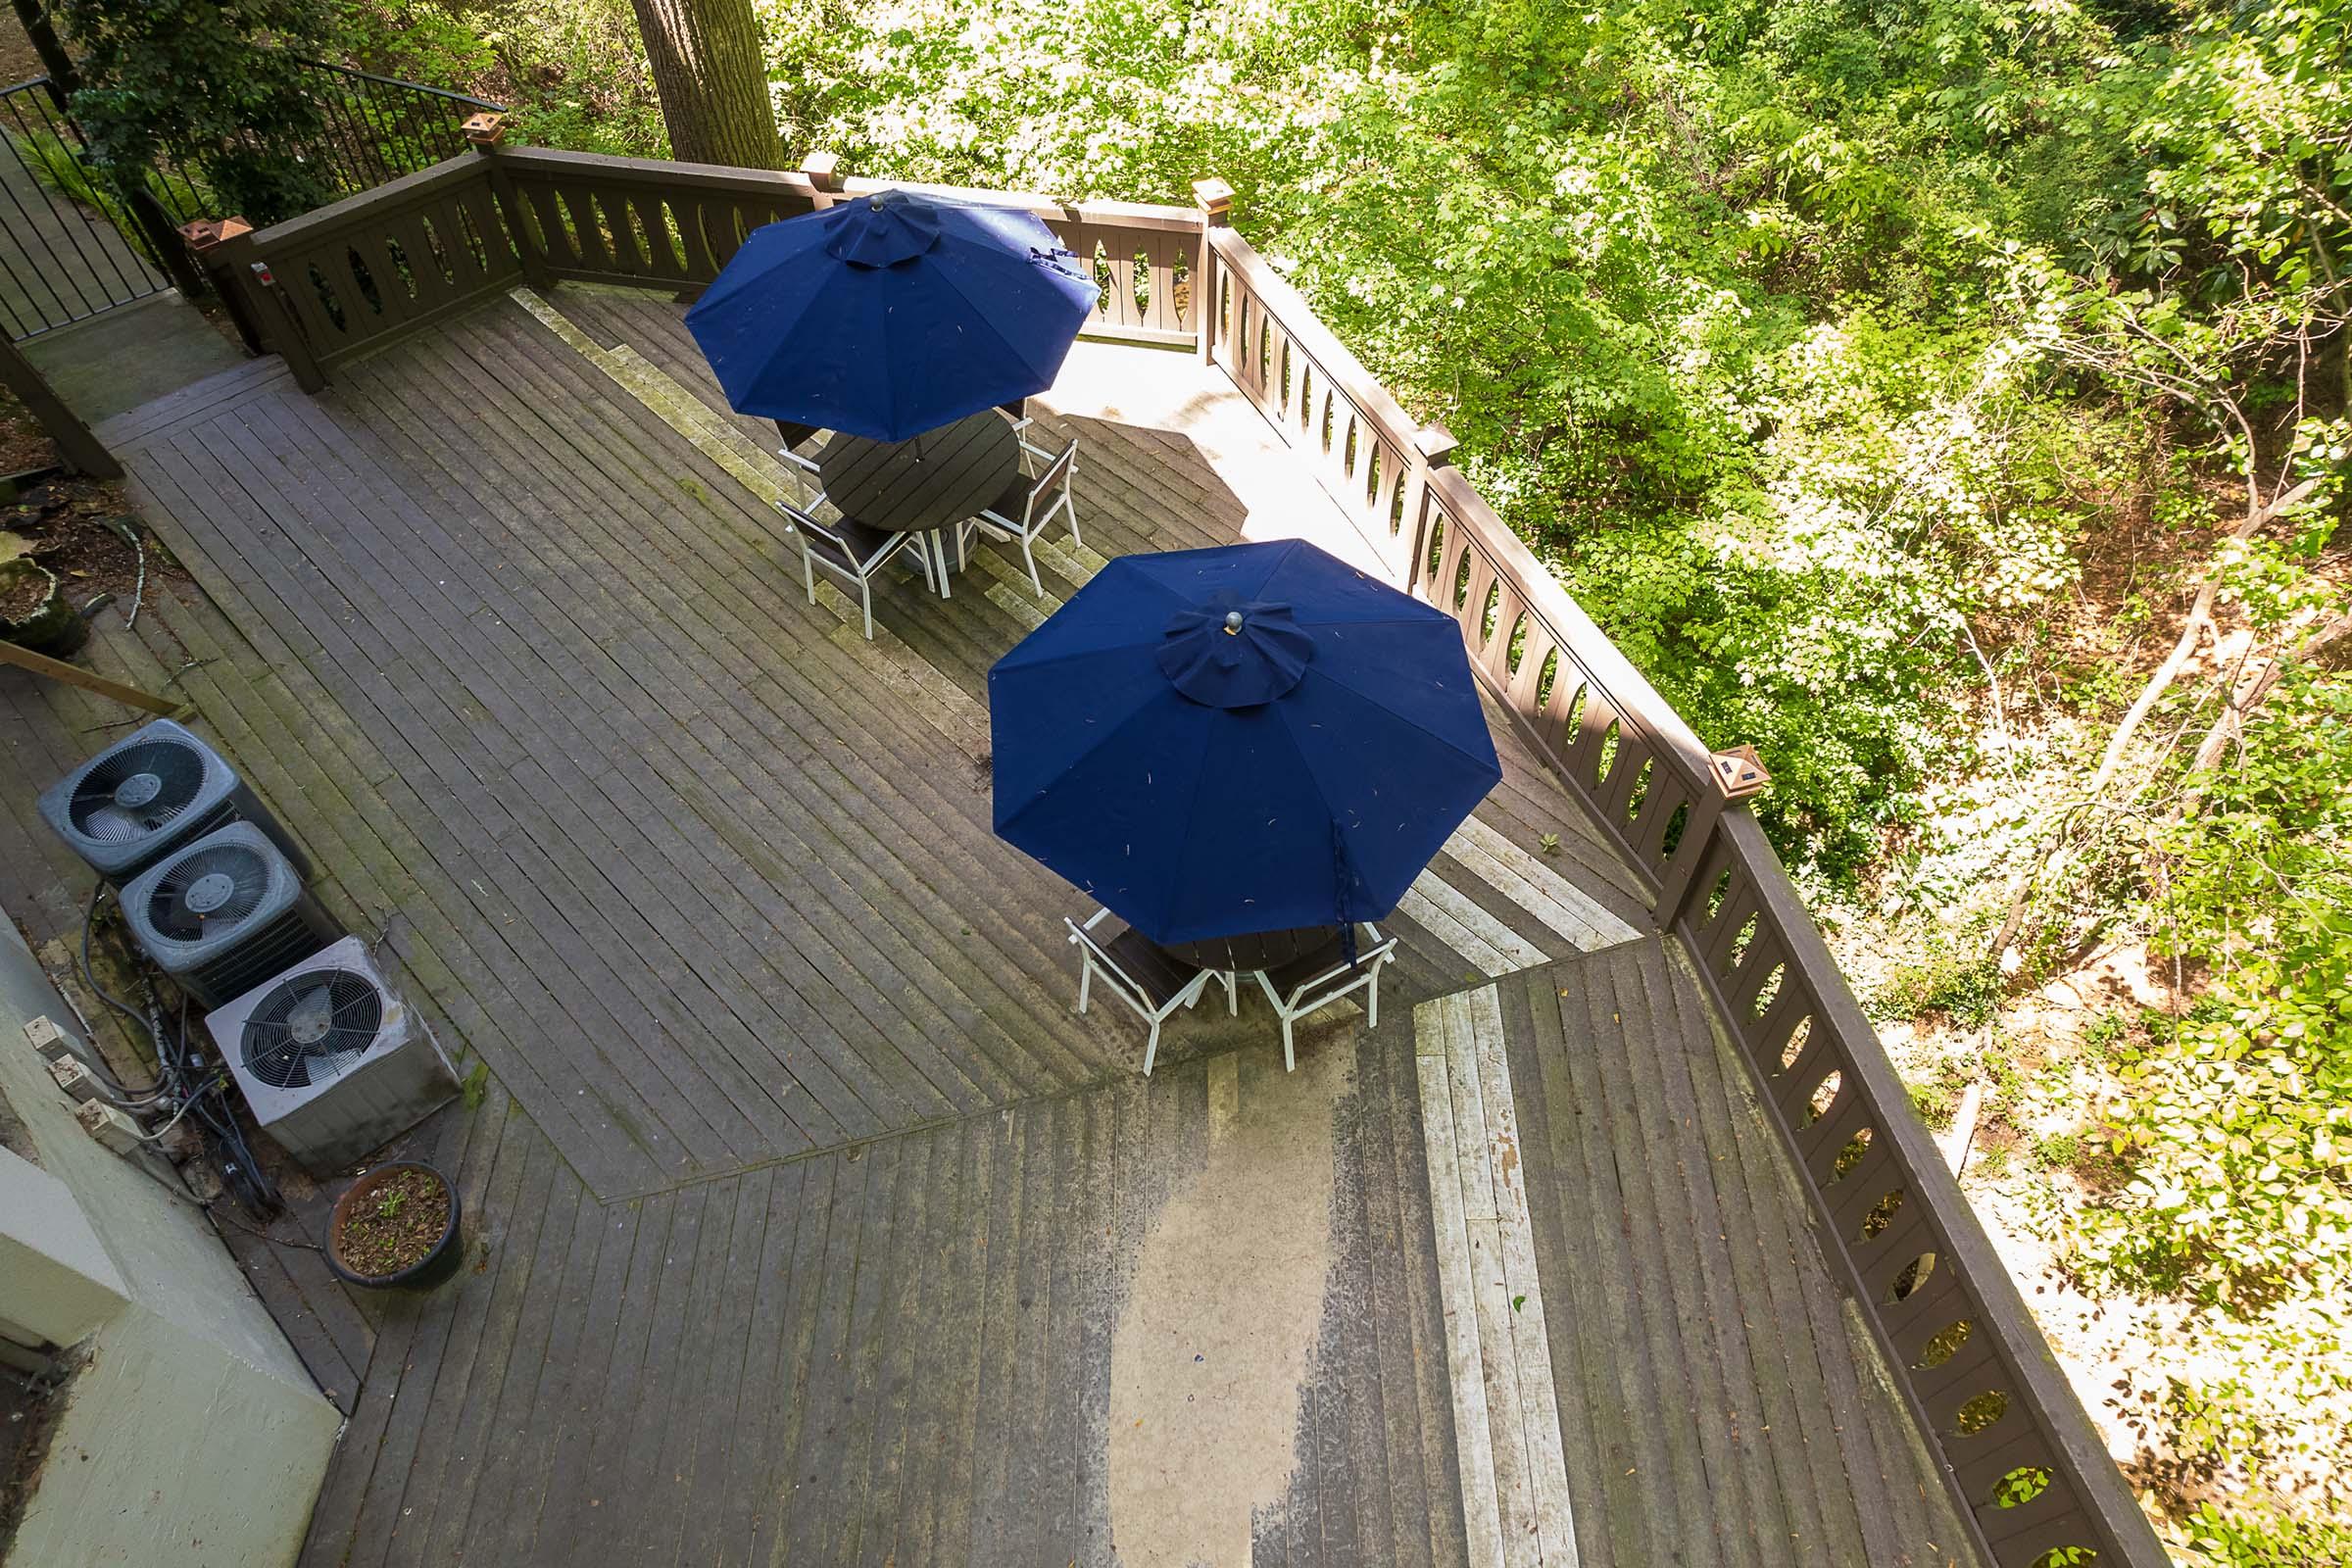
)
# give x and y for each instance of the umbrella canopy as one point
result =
(1214, 742)
(890, 315)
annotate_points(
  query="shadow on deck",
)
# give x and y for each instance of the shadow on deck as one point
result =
(814, 1224)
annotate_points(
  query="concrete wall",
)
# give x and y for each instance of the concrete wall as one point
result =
(192, 1436)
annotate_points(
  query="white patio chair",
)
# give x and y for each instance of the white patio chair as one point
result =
(1017, 413)
(1143, 974)
(1314, 982)
(1021, 514)
(852, 552)
(795, 437)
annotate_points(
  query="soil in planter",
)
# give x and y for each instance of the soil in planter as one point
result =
(22, 593)
(395, 1225)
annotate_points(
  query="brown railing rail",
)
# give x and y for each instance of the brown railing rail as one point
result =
(380, 265)
(2023, 1459)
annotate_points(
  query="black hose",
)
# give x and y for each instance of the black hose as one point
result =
(178, 1077)
(89, 978)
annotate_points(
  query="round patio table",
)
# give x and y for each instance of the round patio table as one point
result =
(927, 485)
(1262, 950)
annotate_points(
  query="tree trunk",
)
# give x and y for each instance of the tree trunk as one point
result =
(2192, 636)
(709, 69)
(2250, 694)
(64, 78)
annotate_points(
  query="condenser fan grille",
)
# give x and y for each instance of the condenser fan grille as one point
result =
(137, 791)
(207, 891)
(312, 1028)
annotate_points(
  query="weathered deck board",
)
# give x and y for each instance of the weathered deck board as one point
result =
(811, 1209)
(589, 788)
(1710, 1413)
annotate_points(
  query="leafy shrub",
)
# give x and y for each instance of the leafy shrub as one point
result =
(1962, 986)
(572, 72)
(2246, 1539)
(60, 166)
(2237, 1122)
(216, 83)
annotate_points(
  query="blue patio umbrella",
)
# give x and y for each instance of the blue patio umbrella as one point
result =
(1253, 738)
(890, 315)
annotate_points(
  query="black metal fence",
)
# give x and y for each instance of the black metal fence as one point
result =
(76, 241)
(378, 128)
(69, 245)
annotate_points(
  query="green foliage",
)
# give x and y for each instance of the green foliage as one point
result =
(2237, 1122)
(1956, 981)
(571, 71)
(59, 165)
(2244, 1538)
(1715, 297)
(212, 83)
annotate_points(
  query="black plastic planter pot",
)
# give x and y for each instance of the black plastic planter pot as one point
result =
(423, 1274)
(53, 626)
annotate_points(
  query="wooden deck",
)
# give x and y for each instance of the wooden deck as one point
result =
(811, 1222)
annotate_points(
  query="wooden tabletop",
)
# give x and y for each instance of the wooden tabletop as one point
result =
(1261, 950)
(934, 481)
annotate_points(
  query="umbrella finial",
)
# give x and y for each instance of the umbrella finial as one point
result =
(1266, 655)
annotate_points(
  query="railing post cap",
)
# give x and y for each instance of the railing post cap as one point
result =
(1213, 197)
(823, 170)
(1739, 772)
(206, 233)
(485, 129)
(1434, 442)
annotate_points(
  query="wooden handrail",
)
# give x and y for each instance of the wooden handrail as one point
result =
(1966, 1355)
(1254, 274)
(360, 210)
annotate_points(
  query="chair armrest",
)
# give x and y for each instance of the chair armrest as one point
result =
(1091, 951)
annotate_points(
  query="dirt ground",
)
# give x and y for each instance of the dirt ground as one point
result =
(61, 521)
(17, 61)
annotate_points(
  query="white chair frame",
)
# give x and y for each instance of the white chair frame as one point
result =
(792, 456)
(1049, 498)
(860, 574)
(1094, 960)
(1016, 415)
(1316, 992)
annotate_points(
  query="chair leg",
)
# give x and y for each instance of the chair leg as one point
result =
(1233, 997)
(1075, 542)
(1372, 1000)
(1290, 1057)
(1035, 582)
(1150, 1048)
(866, 597)
(1085, 980)
(809, 572)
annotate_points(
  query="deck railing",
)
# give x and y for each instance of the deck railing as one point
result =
(2023, 1459)
(375, 266)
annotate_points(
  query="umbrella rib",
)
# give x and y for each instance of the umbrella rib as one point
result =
(1184, 845)
(1409, 722)
(981, 312)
